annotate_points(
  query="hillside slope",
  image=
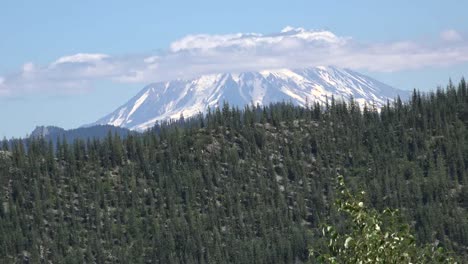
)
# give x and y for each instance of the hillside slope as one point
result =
(251, 186)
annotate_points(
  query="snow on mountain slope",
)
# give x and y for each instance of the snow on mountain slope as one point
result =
(170, 100)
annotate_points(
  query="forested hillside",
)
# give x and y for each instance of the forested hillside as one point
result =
(237, 186)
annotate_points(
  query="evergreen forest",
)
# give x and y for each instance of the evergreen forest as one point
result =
(251, 185)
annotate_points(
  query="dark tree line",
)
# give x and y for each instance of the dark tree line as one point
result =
(237, 186)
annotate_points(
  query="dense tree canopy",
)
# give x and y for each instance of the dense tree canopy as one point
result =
(237, 186)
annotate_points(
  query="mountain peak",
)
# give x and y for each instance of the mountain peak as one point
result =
(168, 100)
(43, 131)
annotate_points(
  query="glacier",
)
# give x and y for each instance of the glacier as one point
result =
(173, 99)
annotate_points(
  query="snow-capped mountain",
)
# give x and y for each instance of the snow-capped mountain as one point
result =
(170, 100)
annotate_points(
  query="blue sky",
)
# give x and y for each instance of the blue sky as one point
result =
(42, 79)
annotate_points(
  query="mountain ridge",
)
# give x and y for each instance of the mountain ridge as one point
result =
(188, 97)
(54, 133)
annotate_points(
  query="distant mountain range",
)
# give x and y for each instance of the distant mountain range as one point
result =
(173, 99)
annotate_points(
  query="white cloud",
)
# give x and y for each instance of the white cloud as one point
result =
(254, 40)
(3, 90)
(289, 28)
(151, 59)
(450, 35)
(203, 53)
(81, 58)
(28, 67)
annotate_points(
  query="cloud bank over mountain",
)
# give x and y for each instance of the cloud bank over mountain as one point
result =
(198, 54)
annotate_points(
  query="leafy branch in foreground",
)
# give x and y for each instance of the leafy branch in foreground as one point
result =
(373, 237)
